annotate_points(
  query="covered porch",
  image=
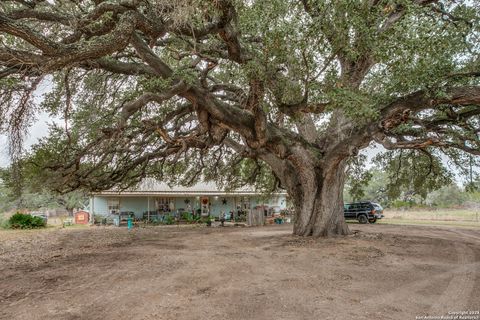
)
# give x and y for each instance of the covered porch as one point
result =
(154, 201)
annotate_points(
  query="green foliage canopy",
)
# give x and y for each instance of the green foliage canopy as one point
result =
(231, 90)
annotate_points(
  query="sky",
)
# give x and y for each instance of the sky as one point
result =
(38, 130)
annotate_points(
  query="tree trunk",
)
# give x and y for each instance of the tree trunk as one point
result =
(317, 194)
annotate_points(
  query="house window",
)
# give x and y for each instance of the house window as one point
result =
(165, 204)
(243, 203)
(113, 206)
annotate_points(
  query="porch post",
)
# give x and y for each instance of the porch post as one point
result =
(92, 207)
(250, 207)
(148, 209)
(263, 211)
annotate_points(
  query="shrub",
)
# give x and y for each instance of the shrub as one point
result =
(25, 221)
(169, 220)
(190, 218)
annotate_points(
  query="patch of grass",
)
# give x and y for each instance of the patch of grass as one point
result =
(4, 224)
(436, 214)
(435, 217)
(466, 224)
(3, 221)
(75, 226)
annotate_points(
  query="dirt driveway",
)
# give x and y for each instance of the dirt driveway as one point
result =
(381, 272)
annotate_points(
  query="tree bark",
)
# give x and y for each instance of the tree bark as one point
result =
(317, 194)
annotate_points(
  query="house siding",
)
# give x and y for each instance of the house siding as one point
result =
(139, 204)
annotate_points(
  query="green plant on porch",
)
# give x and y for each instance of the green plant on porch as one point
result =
(169, 220)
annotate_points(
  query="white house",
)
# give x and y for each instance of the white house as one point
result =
(153, 197)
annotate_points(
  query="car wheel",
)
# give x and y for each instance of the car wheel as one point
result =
(372, 220)
(362, 219)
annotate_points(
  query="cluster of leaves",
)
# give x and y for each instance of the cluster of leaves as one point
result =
(358, 178)
(413, 172)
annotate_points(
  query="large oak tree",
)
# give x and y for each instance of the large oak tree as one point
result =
(231, 89)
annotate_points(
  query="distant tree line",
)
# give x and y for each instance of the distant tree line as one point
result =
(395, 187)
(31, 194)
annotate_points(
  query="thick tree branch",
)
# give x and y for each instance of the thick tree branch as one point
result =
(398, 111)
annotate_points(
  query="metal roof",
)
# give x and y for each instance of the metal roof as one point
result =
(157, 188)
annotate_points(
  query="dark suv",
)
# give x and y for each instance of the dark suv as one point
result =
(364, 211)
